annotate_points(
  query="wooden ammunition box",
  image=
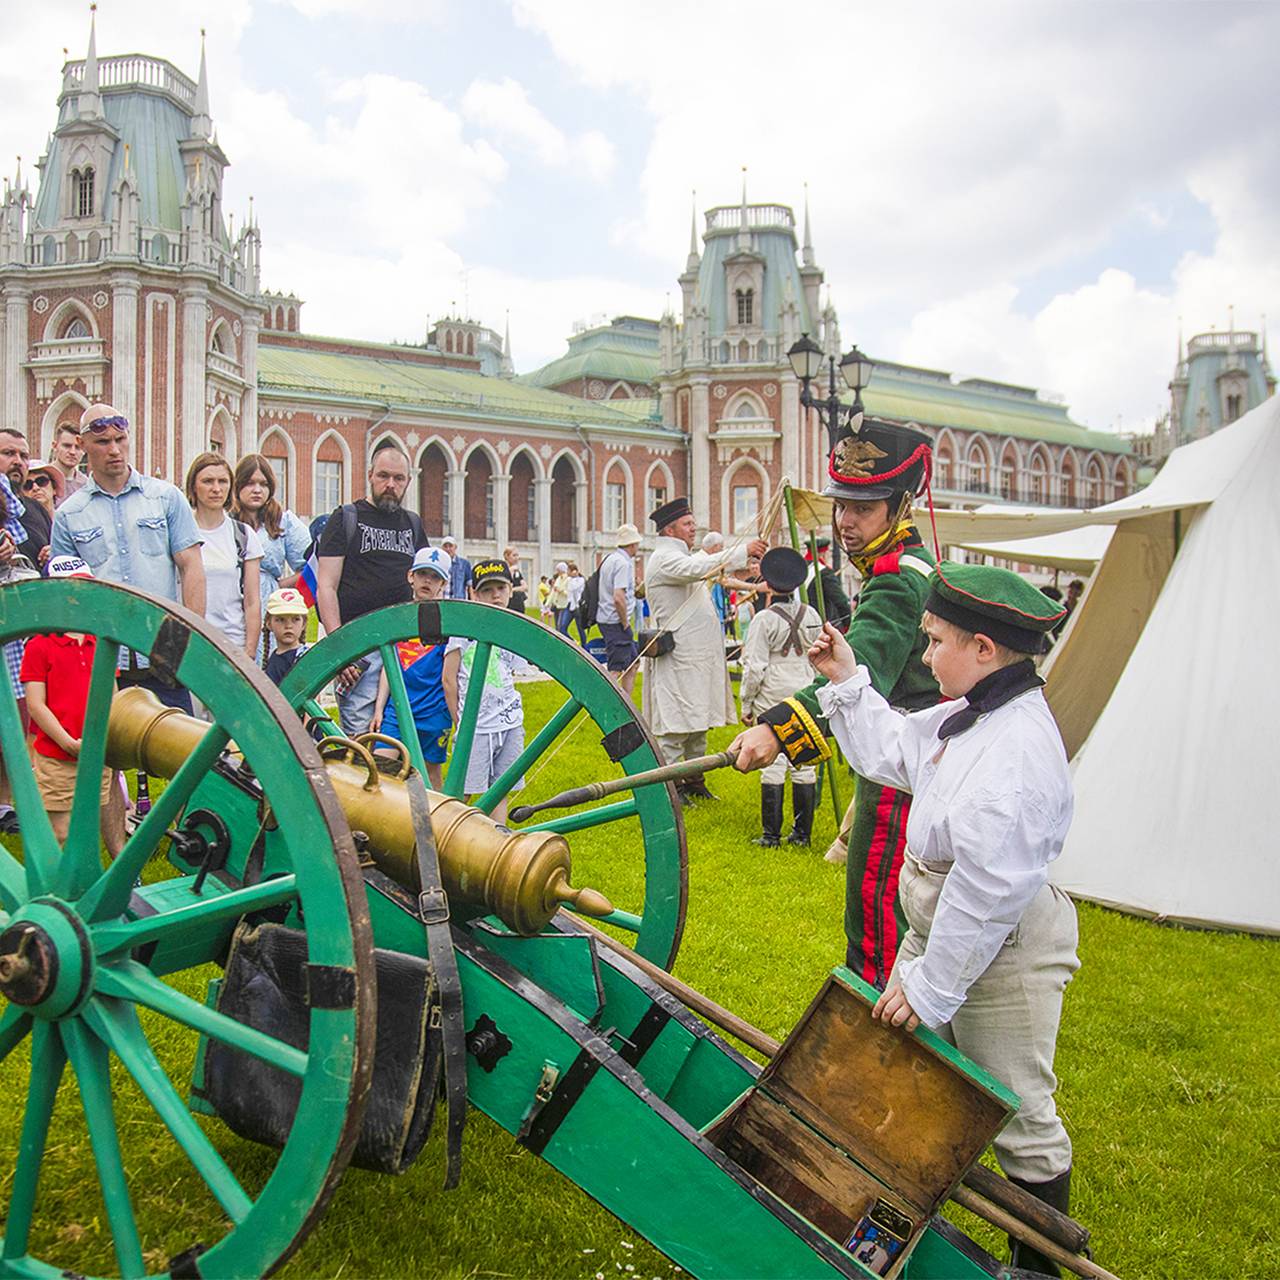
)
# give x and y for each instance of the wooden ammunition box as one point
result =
(863, 1129)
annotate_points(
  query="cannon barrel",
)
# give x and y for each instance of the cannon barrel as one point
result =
(521, 877)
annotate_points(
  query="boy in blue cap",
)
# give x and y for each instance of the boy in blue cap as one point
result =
(991, 944)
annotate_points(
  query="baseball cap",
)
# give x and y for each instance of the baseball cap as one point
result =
(68, 567)
(435, 559)
(448, 540)
(490, 571)
(286, 603)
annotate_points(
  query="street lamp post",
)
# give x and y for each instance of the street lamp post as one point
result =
(806, 362)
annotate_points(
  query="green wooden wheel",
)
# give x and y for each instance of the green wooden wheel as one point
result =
(660, 923)
(74, 980)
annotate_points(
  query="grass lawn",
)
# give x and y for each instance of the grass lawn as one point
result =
(1167, 1062)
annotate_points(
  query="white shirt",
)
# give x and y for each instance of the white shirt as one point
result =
(577, 585)
(995, 802)
(500, 705)
(224, 601)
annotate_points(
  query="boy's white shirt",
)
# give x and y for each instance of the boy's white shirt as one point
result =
(500, 705)
(994, 801)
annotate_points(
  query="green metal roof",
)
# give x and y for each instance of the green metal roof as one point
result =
(777, 246)
(626, 350)
(932, 399)
(385, 379)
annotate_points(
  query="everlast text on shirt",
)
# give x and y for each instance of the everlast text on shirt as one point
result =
(397, 540)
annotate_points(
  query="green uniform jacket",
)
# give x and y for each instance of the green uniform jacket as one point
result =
(885, 633)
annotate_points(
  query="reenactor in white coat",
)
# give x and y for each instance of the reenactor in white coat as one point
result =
(686, 678)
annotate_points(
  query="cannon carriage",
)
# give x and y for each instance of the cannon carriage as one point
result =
(329, 942)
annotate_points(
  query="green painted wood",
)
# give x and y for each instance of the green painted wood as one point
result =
(530, 755)
(334, 1074)
(455, 778)
(661, 834)
(586, 818)
(404, 712)
(40, 851)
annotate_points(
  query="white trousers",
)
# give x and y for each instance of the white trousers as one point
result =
(681, 746)
(1009, 1020)
(776, 773)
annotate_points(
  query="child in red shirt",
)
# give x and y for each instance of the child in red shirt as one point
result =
(56, 669)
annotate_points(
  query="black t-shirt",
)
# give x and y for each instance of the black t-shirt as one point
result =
(39, 526)
(376, 565)
(280, 664)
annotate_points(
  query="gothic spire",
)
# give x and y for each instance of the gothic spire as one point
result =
(693, 260)
(744, 236)
(807, 254)
(201, 122)
(90, 104)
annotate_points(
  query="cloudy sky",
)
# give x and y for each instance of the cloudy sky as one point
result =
(1033, 191)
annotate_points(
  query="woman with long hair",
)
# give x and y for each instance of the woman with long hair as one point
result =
(284, 537)
(232, 554)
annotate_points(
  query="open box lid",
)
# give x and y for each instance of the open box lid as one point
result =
(907, 1106)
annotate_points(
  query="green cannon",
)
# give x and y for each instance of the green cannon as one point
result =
(303, 871)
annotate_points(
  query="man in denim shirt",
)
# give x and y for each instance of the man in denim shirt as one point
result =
(132, 529)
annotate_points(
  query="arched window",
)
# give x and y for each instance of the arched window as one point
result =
(73, 247)
(329, 475)
(433, 491)
(944, 464)
(478, 498)
(293, 320)
(745, 498)
(564, 501)
(522, 516)
(1039, 470)
(471, 344)
(615, 498)
(658, 487)
(160, 248)
(1069, 478)
(1009, 473)
(49, 251)
(976, 463)
(448, 341)
(1122, 479)
(279, 317)
(1093, 483)
(82, 192)
(218, 342)
(76, 328)
(745, 299)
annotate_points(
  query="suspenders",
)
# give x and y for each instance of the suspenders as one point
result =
(794, 643)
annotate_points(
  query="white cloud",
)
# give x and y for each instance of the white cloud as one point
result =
(502, 108)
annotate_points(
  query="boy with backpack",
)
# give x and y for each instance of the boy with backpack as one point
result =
(775, 664)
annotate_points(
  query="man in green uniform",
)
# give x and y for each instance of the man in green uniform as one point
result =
(876, 469)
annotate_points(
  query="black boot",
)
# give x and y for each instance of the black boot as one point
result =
(1057, 1193)
(804, 796)
(697, 787)
(772, 799)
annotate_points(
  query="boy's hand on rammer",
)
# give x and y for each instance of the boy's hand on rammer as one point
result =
(831, 655)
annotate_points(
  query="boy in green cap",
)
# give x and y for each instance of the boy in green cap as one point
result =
(991, 944)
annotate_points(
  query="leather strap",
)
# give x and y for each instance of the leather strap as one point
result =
(794, 643)
(433, 911)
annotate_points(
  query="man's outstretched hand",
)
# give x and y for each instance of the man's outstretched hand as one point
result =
(756, 747)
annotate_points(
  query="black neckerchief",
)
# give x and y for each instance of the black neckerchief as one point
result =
(989, 693)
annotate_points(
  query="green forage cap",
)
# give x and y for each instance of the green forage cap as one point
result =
(995, 602)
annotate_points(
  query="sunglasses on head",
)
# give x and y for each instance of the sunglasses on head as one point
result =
(99, 425)
(33, 482)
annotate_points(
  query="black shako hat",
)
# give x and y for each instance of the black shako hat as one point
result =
(670, 511)
(979, 598)
(483, 571)
(783, 569)
(874, 459)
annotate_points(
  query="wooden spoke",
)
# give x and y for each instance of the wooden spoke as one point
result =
(47, 1062)
(13, 881)
(112, 937)
(131, 981)
(109, 894)
(117, 1025)
(585, 818)
(542, 740)
(15, 1022)
(40, 851)
(81, 858)
(455, 781)
(89, 1061)
(404, 712)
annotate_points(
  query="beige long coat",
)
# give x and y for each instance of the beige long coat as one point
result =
(688, 689)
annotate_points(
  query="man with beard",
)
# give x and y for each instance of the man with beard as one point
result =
(36, 521)
(363, 560)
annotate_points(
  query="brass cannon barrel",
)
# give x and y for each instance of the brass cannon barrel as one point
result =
(521, 877)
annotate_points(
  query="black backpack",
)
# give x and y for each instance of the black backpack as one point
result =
(589, 603)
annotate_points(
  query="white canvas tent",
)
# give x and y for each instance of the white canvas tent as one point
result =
(1165, 689)
(1076, 550)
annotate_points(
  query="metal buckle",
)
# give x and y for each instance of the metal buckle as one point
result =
(433, 906)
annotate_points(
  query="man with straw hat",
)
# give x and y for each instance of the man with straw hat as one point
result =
(876, 468)
(686, 679)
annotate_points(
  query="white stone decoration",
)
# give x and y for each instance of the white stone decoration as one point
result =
(208, 312)
(459, 443)
(504, 448)
(595, 389)
(236, 327)
(719, 391)
(413, 439)
(100, 299)
(771, 389)
(544, 452)
(40, 304)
